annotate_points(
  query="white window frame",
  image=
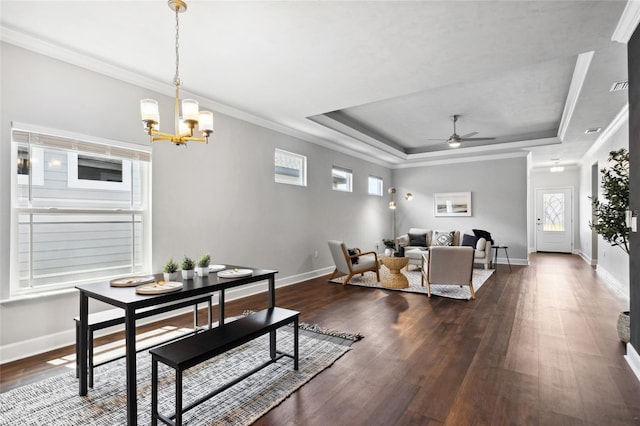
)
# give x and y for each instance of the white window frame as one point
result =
(378, 182)
(74, 182)
(293, 157)
(348, 175)
(18, 208)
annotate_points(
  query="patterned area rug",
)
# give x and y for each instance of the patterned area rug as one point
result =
(55, 401)
(480, 276)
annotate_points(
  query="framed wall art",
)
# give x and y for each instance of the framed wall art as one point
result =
(452, 204)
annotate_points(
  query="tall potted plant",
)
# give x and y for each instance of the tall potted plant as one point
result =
(611, 215)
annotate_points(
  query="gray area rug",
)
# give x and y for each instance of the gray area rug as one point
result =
(55, 401)
(480, 276)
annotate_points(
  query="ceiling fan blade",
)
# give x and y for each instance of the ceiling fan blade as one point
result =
(468, 135)
(478, 139)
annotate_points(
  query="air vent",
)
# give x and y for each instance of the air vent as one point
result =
(619, 85)
(593, 130)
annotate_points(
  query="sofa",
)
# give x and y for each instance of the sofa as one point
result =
(417, 241)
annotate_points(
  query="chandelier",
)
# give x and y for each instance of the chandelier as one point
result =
(191, 116)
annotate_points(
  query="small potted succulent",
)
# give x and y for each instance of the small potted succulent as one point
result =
(187, 268)
(170, 270)
(202, 268)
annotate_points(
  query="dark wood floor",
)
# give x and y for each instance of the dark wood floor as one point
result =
(537, 347)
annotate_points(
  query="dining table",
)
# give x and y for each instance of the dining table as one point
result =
(132, 302)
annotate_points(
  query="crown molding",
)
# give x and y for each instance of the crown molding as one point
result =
(577, 81)
(461, 160)
(628, 22)
(45, 48)
(621, 118)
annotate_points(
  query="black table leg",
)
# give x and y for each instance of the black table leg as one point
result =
(508, 261)
(82, 343)
(130, 337)
(272, 304)
(221, 307)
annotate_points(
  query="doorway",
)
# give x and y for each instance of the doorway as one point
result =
(554, 224)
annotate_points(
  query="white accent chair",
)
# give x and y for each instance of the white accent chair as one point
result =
(366, 262)
(451, 265)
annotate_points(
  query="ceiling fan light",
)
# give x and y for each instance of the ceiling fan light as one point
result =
(454, 144)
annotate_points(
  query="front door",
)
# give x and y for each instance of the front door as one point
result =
(553, 220)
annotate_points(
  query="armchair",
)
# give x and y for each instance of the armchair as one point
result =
(367, 261)
(451, 265)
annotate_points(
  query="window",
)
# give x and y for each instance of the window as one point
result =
(80, 210)
(290, 168)
(553, 206)
(375, 186)
(341, 179)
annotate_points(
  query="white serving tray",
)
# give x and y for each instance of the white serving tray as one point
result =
(235, 273)
(159, 287)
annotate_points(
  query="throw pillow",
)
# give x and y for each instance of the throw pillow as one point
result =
(470, 240)
(353, 252)
(418, 240)
(443, 238)
(483, 234)
(482, 243)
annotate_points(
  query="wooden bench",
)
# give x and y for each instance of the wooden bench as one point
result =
(193, 350)
(100, 320)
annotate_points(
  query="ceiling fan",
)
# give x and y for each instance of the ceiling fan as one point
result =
(455, 140)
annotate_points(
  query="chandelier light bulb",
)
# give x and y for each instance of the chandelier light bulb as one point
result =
(205, 121)
(190, 110)
(149, 110)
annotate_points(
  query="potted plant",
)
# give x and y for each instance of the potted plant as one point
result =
(390, 246)
(611, 215)
(202, 267)
(170, 270)
(187, 268)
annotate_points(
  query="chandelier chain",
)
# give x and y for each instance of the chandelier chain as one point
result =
(176, 79)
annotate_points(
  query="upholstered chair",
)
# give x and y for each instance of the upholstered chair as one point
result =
(357, 263)
(451, 265)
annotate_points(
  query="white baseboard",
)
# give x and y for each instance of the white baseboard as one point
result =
(633, 359)
(587, 259)
(26, 348)
(503, 261)
(612, 282)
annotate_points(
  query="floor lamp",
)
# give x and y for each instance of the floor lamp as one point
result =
(393, 205)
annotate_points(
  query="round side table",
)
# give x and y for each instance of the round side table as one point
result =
(395, 279)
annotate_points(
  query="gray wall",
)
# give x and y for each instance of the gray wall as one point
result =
(498, 198)
(612, 262)
(218, 198)
(634, 190)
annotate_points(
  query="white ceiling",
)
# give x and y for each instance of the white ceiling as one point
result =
(374, 79)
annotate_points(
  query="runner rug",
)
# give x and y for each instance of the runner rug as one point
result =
(55, 401)
(480, 276)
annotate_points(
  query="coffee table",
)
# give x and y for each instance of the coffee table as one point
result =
(395, 279)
